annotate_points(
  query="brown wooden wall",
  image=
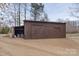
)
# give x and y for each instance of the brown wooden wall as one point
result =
(38, 29)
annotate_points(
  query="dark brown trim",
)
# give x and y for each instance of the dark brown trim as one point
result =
(43, 22)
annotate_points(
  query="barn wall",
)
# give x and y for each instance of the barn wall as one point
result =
(38, 29)
(70, 28)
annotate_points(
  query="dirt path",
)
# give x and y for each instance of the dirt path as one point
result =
(18, 46)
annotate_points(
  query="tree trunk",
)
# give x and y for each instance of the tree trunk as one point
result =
(25, 10)
(19, 14)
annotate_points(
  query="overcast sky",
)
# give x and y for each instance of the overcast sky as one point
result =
(58, 10)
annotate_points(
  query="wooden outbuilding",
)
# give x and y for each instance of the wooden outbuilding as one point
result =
(40, 30)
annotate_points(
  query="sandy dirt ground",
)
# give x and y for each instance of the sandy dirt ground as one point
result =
(68, 46)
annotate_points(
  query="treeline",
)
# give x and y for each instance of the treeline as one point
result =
(4, 30)
(17, 12)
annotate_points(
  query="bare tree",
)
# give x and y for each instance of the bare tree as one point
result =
(74, 11)
(25, 10)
